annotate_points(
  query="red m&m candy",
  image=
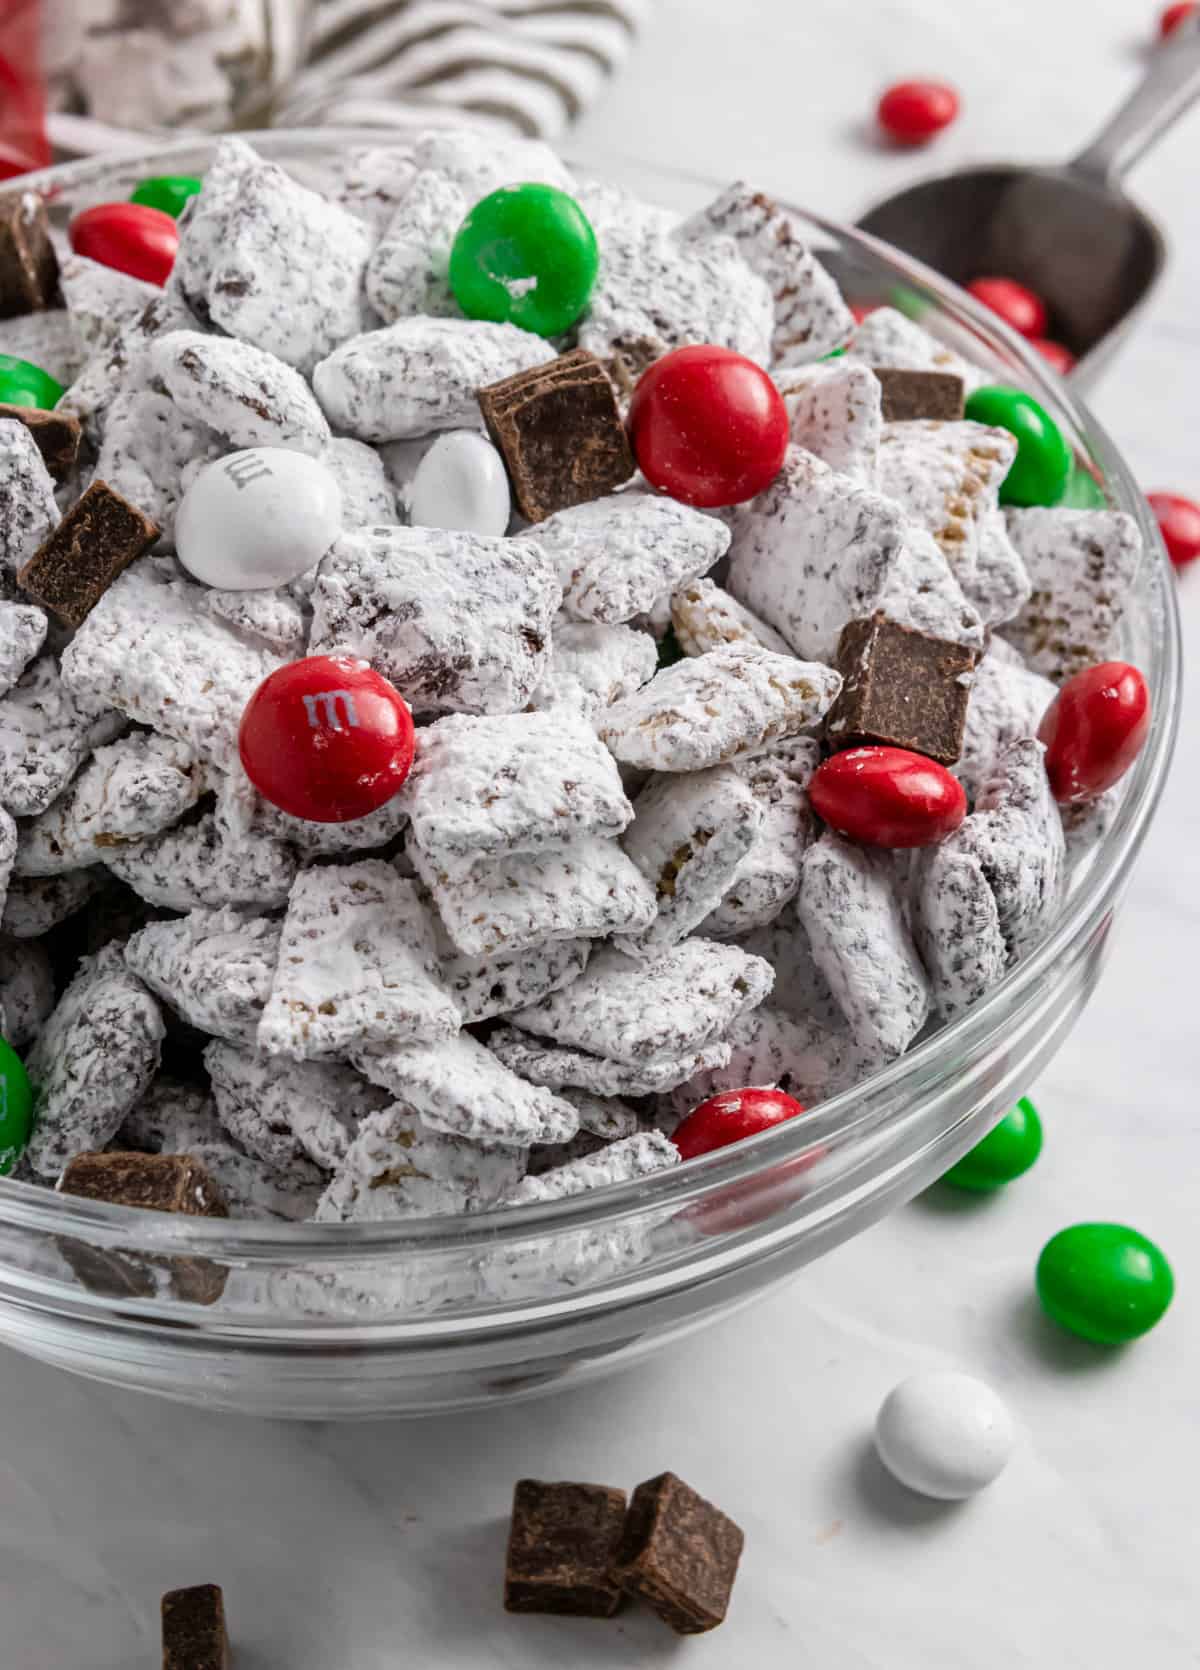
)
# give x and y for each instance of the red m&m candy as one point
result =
(327, 739)
(1172, 16)
(887, 797)
(911, 112)
(729, 1117)
(1179, 524)
(1020, 308)
(1056, 356)
(132, 237)
(1094, 730)
(708, 426)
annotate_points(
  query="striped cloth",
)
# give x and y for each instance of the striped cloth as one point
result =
(532, 65)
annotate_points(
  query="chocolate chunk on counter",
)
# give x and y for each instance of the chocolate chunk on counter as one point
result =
(194, 1636)
(679, 1554)
(559, 430)
(56, 435)
(154, 1182)
(908, 395)
(560, 1548)
(28, 264)
(903, 688)
(96, 540)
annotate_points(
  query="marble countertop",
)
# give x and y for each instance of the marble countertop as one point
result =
(380, 1546)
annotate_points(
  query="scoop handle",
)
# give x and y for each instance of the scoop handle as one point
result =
(1169, 87)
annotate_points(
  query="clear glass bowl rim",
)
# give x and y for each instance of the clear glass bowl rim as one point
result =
(31, 1207)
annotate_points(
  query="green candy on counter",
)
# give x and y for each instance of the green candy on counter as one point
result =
(1105, 1282)
(1004, 1153)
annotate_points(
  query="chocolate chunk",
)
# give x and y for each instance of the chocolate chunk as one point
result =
(156, 1183)
(679, 1554)
(28, 264)
(74, 566)
(903, 688)
(153, 1182)
(560, 1548)
(56, 435)
(908, 395)
(193, 1629)
(560, 432)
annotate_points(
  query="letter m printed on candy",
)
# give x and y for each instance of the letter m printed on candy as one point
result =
(244, 467)
(327, 706)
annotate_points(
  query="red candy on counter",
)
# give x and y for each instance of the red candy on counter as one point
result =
(131, 237)
(327, 739)
(708, 426)
(730, 1116)
(1179, 524)
(887, 797)
(1094, 730)
(1021, 308)
(911, 112)
(1056, 356)
(1173, 16)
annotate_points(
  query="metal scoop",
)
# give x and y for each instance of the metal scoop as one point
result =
(1070, 233)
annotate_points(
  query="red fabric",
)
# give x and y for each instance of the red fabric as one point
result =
(23, 143)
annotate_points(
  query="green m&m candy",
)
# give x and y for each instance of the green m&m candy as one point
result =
(1104, 1281)
(24, 384)
(1042, 467)
(525, 255)
(1003, 1154)
(16, 1108)
(168, 192)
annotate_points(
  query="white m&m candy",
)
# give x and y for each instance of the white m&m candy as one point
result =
(257, 519)
(461, 484)
(944, 1435)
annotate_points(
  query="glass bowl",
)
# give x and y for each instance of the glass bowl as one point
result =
(311, 1320)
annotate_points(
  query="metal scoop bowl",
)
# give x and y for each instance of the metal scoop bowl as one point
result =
(1070, 233)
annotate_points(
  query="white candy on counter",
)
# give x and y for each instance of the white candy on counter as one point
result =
(944, 1435)
(461, 484)
(258, 518)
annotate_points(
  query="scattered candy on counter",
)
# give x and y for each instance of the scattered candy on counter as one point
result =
(462, 484)
(169, 193)
(582, 1550)
(1058, 357)
(887, 797)
(1105, 1282)
(912, 112)
(23, 384)
(258, 518)
(1179, 523)
(730, 1116)
(1042, 467)
(129, 237)
(16, 1107)
(708, 426)
(525, 255)
(1172, 16)
(1021, 308)
(1006, 1153)
(944, 1435)
(1094, 729)
(194, 1636)
(327, 739)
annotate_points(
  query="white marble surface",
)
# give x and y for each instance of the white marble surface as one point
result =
(360, 1548)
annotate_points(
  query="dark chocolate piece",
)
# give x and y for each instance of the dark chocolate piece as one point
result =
(56, 436)
(903, 688)
(908, 395)
(153, 1182)
(74, 566)
(156, 1183)
(193, 1629)
(679, 1554)
(28, 264)
(560, 1548)
(560, 433)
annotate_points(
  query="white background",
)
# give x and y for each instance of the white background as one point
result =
(360, 1548)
